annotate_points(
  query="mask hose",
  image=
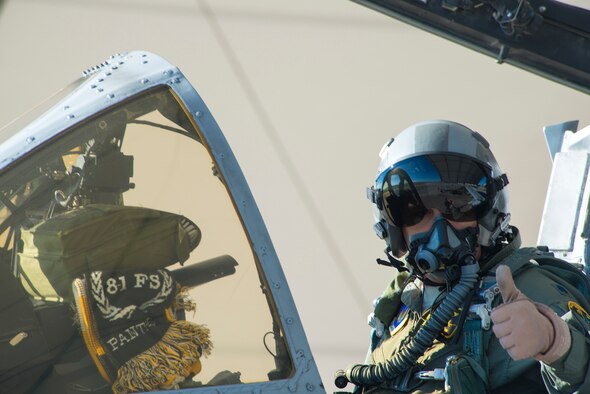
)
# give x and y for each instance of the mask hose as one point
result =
(406, 357)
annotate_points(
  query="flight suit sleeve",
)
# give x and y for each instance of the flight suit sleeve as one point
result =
(569, 373)
(564, 375)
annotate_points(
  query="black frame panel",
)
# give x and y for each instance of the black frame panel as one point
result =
(552, 39)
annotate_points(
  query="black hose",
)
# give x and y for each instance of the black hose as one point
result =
(406, 357)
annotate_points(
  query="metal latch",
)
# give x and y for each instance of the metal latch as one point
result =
(18, 338)
(483, 311)
(436, 374)
(490, 294)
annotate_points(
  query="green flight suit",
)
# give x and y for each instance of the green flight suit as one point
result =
(504, 375)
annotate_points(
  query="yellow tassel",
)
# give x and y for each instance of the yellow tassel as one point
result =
(169, 360)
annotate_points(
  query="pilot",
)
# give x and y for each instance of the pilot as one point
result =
(469, 311)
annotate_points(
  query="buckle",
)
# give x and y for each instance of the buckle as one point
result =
(501, 182)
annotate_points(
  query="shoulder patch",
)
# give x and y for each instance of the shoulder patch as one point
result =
(400, 320)
(575, 308)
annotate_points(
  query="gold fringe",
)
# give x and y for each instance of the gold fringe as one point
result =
(173, 357)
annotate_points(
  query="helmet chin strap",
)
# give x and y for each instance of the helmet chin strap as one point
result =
(393, 262)
(442, 250)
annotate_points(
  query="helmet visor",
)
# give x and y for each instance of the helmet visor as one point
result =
(460, 188)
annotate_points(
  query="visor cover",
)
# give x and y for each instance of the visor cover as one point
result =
(460, 188)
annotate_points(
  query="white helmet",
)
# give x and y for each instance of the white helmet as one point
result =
(443, 165)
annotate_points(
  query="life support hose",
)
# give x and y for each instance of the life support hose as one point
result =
(408, 354)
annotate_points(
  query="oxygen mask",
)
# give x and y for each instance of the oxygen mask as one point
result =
(442, 249)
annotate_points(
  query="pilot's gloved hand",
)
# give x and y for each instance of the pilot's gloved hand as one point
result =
(526, 328)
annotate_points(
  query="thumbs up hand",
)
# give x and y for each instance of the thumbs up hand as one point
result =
(507, 286)
(527, 329)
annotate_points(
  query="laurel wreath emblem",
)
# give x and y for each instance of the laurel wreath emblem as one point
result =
(112, 312)
(165, 291)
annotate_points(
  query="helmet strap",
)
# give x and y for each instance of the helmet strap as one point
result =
(393, 262)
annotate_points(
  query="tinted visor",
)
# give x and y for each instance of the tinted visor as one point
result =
(457, 186)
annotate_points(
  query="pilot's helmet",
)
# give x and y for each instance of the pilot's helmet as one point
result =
(439, 165)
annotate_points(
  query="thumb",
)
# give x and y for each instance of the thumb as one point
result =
(506, 284)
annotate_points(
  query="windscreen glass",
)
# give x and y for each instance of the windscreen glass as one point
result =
(125, 266)
(6, 131)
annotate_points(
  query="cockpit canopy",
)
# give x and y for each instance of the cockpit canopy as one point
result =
(123, 209)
